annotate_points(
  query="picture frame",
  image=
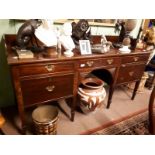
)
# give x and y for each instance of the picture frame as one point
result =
(85, 47)
(92, 22)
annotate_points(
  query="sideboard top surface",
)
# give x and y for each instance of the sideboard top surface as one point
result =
(39, 57)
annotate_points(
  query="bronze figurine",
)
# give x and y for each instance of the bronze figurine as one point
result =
(80, 31)
(26, 33)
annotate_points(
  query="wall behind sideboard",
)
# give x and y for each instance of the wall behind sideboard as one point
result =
(7, 26)
(99, 30)
(6, 90)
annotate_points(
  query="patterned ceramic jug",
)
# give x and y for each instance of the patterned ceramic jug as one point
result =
(91, 94)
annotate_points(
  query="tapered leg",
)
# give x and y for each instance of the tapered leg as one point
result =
(72, 116)
(75, 94)
(22, 118)
(111, 90)
(135, 90)
(23, 130)
(73, 108)
(20, 101)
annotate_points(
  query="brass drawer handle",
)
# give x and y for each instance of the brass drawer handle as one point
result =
(90, 63)
(136, 58)
(49, 67)
(123, 65)
(110, 61)
(131, 73)
(50, 88)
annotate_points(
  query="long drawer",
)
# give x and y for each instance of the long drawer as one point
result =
(38, 90)
(44, 68)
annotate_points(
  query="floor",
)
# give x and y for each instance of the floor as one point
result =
(121, 108)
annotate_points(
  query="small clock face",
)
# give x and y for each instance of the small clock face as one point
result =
(84, 26)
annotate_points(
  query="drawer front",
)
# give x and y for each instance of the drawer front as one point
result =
(39, 90)
(130, 73)
(33, 69)
(99, 62)
(136, 58)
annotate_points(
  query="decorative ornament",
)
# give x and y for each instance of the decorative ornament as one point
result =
(80, 31)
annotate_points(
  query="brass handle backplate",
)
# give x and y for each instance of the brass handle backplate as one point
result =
(50, 88)
(49, 67)
(123, 65)
(131, 73)
(90, 63)
(110, 61)
(136, 58)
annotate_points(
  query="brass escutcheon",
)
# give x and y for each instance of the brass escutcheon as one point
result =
(90, 63)
(50, 88)
(135, 58)
(110, 61)
(49, 67)
(131, 73)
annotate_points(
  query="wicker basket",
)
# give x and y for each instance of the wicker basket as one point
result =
(141, 85)
(45, 120)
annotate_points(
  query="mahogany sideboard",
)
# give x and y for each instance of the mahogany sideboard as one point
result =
(43, 79)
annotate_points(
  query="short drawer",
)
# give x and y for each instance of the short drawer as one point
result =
(136, 58)
(99, 62)
(130, 73)
(32, 69)
(38, 90)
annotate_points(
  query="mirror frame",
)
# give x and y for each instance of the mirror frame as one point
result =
(92, 22)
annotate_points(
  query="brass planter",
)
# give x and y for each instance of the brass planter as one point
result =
(45, 120)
